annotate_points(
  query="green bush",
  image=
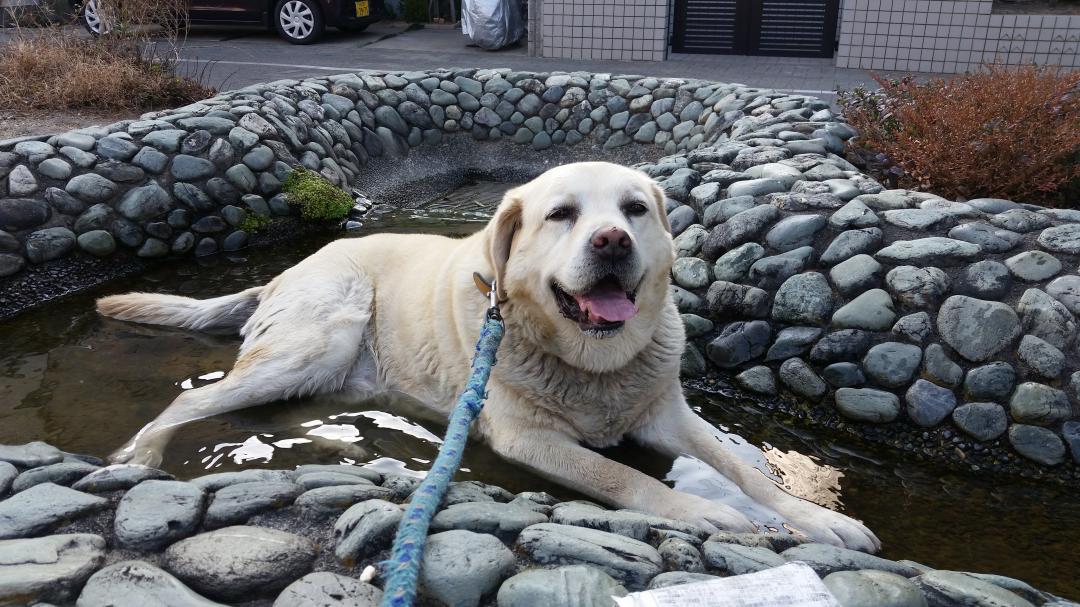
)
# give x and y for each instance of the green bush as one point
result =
(317, 198)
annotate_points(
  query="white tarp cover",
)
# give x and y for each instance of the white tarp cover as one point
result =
(492, 24)
(791, 585)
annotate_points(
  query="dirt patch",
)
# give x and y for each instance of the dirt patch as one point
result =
(1037, 7)
(49, 122)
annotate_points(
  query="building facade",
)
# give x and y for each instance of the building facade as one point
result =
(903, 35)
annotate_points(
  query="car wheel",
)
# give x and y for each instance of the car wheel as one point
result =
(91, 18)
(299, 21)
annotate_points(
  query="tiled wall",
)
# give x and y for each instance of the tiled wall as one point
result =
(621, 30)
(951, 37)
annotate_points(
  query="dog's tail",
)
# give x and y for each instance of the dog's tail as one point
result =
(218, 315)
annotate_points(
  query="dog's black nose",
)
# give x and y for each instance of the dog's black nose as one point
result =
(611, 243)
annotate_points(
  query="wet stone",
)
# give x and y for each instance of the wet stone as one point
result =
(42, 507)
(30, 455)
(7, 476)
(985, 280)
(364, 529)
(214, 482)
(873, 589)
(676, 578)
(953, 588)
(1040, 445)
(631, 562)
(48, 244)
(53, 569)
(326, 589)
(994, 381)
(155, 513)
(504, 521)
(461, 567)
(118, 477)
(235, 504)
(568, 586)
(326, 501)
(981, 421)
(928, 404)
(137, 584)
(801, 379)
(977, 329)
(64, 473)
(1033, 266)
(843, 375)
(867, 405)
(733, 559)
(1071, 432)
(825, 559)
(757, 379)
(239, 563)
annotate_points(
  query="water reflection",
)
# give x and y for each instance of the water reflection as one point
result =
(87, 384)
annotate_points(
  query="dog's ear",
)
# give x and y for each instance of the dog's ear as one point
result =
(500, 236)
(658, 194)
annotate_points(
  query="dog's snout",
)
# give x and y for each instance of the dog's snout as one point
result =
(611, 243)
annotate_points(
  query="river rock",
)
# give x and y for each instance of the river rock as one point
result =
(1041, 357)
(977, 329)
(569, 586)
(1035, 403)
(801, 379)
(892, 364)
(1046, 318)
(792, 341)
(326, 589)
(928, 404)
(939, 368)
(757, 379)
(31, 455)
(867, 405)
(43, 507)
(1033, 266)
(235, 504)
(981, 421)
(873, 589)
(739, 342)
(118, 477)
(948, 588)
(856, 274)
(825, 559)
(239, 563)
(138, 584)
(803, 299)
(917, 287)
(631, 562)
(460, 567)
(1037, 444)
(48, 569)
(155, 513)
(873, 311)
(934, 249)
(985, 279)
(916, 327)
(733, 559)
(990, 238)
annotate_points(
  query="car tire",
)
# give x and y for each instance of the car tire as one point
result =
(298, 21)
(91, 18)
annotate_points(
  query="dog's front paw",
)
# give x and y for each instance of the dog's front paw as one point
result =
(134, 454)
(829, 527)
(710, 515)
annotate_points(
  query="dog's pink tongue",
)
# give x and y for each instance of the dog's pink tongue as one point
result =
(606, 303)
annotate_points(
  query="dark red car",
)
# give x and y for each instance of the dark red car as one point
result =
(298, 21)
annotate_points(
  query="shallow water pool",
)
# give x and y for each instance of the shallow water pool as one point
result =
(86, 384)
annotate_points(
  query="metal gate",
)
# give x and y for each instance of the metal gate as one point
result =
(805, 28)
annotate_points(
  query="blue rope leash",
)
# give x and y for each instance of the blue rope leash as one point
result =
(404, 565)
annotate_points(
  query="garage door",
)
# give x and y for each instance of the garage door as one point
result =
(804, 28)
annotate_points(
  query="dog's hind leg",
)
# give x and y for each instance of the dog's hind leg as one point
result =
(304, 338)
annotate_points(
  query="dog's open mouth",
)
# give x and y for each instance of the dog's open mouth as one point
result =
(604, 307)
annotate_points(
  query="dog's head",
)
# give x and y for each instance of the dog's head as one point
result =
(585, 252)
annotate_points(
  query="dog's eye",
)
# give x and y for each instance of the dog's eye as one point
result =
(635, 209)
(561, 214)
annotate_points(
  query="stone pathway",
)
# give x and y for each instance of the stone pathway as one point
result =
(295, 538)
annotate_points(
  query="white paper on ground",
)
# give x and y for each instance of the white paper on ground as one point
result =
(791, 585)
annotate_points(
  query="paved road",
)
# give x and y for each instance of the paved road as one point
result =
(232, 59)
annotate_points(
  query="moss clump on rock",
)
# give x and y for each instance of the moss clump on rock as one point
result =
(255, 223)
(317, 198)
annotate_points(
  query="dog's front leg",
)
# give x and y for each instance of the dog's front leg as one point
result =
(554, 455)
(674, 429)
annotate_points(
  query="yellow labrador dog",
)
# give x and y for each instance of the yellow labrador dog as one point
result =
(582, 256)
